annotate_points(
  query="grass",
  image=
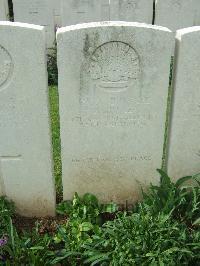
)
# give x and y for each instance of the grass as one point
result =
(55, 124)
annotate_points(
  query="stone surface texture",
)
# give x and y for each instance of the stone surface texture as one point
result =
(113, 97)
(25, 140)
(57, 13)
(132, 10)
(197, 12)
(4, 12)
(175, 14)
(82, 11)
(184, 145)
(37, 12)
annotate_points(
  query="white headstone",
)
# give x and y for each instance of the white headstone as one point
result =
(81, 11)
(197, 13)
(37, 12)
(57, 12)
(113, 98)
(4, 12)
(175, 14)
(25, 139)
(184, 145)
(132, 10)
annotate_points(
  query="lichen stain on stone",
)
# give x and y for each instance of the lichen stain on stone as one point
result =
(86, 45)
(90, 44)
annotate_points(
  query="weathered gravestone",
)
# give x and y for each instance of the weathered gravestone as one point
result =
(132, 10)
(197, 12)
(25, 142)
(4, 12)
(184, 145)
(81, 11)
(57, 13)
(175, 14)
(113, 97)
(37, 12)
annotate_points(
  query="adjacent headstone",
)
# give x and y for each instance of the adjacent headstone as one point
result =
(37, 12)
(81, 11)
(175, 14)
(113, 98)
(132, 10)
(25, 140)
(197, 13)
(4, 12)
(184, 145)
(57, 13)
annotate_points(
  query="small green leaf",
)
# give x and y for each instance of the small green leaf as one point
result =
(183, 180)
(37, 248)
(96, 259)
(85, 227)
(90, 199)
(197, 222)
(68, 254)
(164, 177)
(64, 207)
(110, 208)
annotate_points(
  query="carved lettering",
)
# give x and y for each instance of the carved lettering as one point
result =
(117, 159)
(128, 5)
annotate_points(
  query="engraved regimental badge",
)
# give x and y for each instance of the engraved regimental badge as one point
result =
(5, 66)
(113, 66)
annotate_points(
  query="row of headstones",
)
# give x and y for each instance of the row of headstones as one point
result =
(55, 13)
(113, 100)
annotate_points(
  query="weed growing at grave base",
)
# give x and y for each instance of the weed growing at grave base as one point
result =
(163, 229)
(6, 212)
(181, 201)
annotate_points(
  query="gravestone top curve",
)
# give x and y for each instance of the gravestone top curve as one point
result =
(111, 24)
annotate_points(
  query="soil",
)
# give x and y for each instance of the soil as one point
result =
(46, 225)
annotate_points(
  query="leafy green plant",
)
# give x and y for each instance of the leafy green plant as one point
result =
(86, 208)
(29, 248)
(163, 229)
(142, 239)
(84, 214)
(182, 201)
(6, 212)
